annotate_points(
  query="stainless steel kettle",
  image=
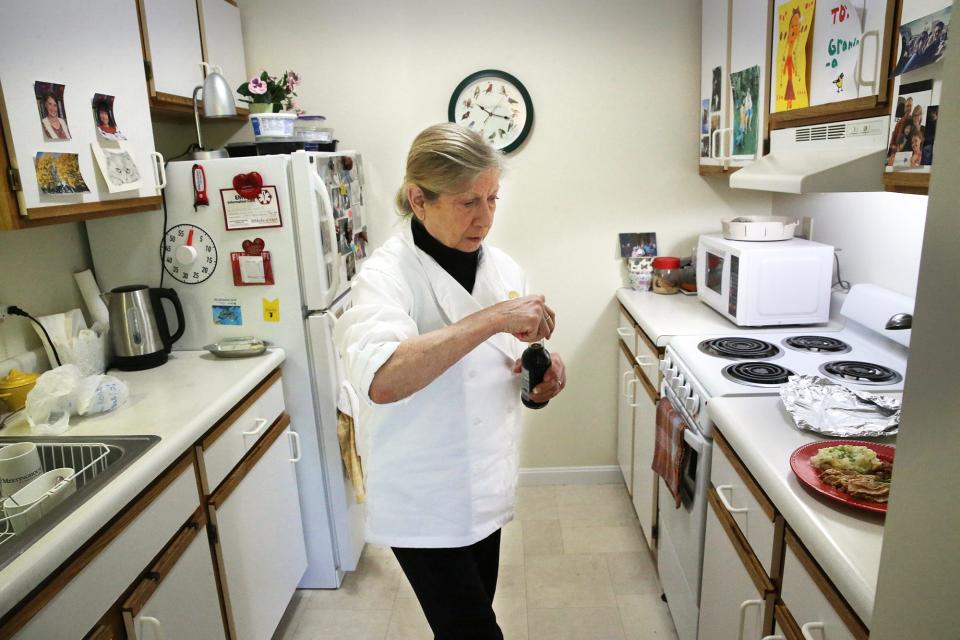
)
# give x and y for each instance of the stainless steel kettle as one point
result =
(139, 332)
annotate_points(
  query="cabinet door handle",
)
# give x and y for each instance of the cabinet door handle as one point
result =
(872, 82)
(713, 145)
(153, 622)
(772, 638)
(805, 629)
(623, 332)
(260, 424)
(630, 385)
(726, 503)
(746, 604)
(646, 361)
(295, 439)
(161, 171)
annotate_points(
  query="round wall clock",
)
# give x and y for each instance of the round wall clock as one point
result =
(495, 104)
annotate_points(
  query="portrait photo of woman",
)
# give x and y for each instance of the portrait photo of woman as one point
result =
(53, 114)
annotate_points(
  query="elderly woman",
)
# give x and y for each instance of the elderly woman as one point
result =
(432, 342)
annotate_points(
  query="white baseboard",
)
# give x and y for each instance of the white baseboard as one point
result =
(607, 474)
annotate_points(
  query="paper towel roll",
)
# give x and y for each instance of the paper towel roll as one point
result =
(91, 296)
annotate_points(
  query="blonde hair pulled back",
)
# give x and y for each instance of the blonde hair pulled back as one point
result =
(445, 158)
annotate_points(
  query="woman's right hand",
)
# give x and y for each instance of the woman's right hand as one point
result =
(528, 318)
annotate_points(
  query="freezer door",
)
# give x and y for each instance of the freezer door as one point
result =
(316, 234)
(348, 515)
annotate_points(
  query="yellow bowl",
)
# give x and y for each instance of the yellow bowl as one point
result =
(15, 387)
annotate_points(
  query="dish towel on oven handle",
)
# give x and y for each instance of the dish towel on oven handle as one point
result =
(348, 413)
(669, 449)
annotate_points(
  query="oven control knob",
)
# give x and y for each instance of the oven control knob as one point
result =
(683, 392)
(669, 374)
(692, 404)
(677, 381)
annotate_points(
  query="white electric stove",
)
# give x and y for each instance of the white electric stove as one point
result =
(863, 355)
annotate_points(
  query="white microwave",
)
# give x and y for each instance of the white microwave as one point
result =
(757, 284)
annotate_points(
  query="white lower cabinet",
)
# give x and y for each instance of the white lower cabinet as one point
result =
(627, 390)
(260, 548)
(179, 599)
(644, 479)
(731, 606)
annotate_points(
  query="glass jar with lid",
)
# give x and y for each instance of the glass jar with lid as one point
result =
(666, 275)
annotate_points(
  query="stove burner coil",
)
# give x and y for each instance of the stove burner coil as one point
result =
(739, 348)
(759, 374)
(860, 372)
(817, 344)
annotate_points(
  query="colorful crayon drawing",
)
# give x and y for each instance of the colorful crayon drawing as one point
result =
(793, 19)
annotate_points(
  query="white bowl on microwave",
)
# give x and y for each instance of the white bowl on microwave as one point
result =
(759, 228)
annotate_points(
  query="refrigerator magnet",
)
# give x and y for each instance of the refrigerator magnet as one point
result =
(252, 265)
(241, 213)
(226, 311)
(271, 310)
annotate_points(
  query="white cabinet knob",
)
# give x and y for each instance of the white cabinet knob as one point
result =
(805, 630)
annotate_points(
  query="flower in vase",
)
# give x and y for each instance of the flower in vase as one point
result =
(293, 80)
(257, 86)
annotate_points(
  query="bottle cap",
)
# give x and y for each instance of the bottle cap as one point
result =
(666, 262)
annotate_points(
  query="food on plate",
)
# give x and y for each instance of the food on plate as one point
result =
(855, 470)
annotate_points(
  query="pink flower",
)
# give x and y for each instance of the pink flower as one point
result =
(293, 80)
(257, 86)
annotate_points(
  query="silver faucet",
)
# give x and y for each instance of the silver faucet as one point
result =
(899, 321)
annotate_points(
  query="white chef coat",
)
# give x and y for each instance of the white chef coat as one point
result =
(441, 465)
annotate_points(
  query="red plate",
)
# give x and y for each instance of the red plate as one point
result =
(809, 475)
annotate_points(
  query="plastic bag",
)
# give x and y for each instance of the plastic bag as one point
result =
(64, 391)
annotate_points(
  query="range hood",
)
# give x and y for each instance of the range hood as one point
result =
(839, 156)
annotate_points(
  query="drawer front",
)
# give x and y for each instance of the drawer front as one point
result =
(754, 522)
(223, 454)
(814, 614)
(627, 332)
(80, 604)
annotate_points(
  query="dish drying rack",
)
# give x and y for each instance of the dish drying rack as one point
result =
(88, 459)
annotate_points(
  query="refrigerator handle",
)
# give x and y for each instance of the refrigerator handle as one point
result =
(326, 218)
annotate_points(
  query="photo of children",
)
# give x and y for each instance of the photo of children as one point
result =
(923, 41)
(59, 173)
(53, 115)
(908, 132)
(104, 119)
(635, 245)
(746, 93)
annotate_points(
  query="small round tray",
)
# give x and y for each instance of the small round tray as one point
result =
(237, 348)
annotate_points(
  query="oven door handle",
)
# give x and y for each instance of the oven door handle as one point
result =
(693, 441)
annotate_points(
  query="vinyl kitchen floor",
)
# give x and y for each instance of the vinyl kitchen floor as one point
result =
(573, 566)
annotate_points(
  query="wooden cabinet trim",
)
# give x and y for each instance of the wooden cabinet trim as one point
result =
(651, 392)
(776, 564)
(646, 339)
(750, 562)
(41, 595)
(237, 411)
(170, 104)
(836, 600)
(708, 170)
(169, 557)
(907, 182)
(91, 210)
(744, 474)
(627, 352)
(249, 461)
(789, 626)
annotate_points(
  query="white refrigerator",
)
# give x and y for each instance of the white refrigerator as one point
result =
(264, 246)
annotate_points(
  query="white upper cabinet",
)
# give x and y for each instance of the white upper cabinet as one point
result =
(747, 79)
(714, 72)
(171, 34)
(223, 40)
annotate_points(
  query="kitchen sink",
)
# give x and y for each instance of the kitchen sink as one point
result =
(95, 461)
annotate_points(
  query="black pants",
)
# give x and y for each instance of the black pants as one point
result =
(455, 588)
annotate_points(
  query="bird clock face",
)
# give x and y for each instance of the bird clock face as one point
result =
(496, 105)
(188, 253)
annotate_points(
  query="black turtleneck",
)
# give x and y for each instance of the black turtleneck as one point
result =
(462, 265)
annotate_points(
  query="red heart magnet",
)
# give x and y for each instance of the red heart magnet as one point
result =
(253, 247)
(248, 185)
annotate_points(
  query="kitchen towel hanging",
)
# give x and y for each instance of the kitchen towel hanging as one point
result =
(669, 448)
(348, 406)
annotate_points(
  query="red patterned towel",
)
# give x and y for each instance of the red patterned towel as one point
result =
(670, 449)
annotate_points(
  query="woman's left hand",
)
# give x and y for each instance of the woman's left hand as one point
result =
(554, 380)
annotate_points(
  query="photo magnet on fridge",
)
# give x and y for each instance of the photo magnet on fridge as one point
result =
(227, 312)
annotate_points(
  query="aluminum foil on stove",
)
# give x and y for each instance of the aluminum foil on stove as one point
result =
(823, 406)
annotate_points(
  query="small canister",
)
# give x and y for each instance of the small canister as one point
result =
(15, 387)
(666, 275)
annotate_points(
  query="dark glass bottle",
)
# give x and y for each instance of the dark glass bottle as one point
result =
(533, 366)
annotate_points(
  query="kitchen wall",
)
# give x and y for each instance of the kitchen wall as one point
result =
(36, 274)
(879, 234)
(615, 92)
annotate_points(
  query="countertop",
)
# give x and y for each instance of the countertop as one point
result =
(179, 402)
(663, 316)
(845, 542)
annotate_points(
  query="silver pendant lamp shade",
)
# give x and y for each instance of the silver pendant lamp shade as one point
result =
(218, 102)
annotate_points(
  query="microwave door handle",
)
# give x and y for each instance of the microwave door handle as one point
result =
(326, 218)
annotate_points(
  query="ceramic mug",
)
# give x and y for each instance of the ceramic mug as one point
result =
(19, 465)
(30, 503)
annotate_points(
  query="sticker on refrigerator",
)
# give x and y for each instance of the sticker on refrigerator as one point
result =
(226, 311)
(252, 265)
(240, 213)
(271, 310)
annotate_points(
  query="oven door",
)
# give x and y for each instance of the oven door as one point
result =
(681, 529)
(715, 286)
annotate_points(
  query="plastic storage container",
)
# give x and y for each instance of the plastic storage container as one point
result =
(272, 125)
(312, 128)
(666, 275)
